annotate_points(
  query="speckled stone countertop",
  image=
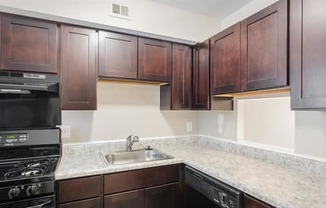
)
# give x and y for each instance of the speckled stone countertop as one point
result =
(279, 185)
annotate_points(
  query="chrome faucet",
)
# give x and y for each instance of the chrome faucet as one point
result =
(130, 141)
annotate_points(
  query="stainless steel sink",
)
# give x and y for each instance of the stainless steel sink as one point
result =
(142, 155)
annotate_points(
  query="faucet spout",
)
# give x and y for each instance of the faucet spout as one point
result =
(130, 141)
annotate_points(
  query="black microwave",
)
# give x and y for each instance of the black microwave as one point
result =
(29, 100)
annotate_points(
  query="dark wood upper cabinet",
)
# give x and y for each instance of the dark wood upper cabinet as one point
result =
(264, 46)
(181, 77)
(78, 68)
(251, 202)
(201, 94)
(225, 61)
(117, 55)
(307, 54)
(154, 60)
(177, 94)
(29, 44)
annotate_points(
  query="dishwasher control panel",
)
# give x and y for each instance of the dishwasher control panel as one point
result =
(213, 190)
(223, 199)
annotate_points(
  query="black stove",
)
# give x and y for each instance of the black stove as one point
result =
(28, 160)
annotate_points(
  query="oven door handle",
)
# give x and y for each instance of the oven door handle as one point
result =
(41, 205)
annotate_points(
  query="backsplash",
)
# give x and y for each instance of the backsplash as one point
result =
(301, 163)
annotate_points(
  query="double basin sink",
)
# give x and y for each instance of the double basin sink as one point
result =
(135, 156)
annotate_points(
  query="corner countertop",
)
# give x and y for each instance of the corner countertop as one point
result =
(279, 186)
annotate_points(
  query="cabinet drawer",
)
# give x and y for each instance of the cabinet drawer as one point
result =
(136, 179)
(89, 203)
(134, 199)
(77, 189)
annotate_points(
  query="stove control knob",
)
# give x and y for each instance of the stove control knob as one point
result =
(31, 190)
(13, 192)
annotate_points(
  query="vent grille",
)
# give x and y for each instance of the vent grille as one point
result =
(120, 11)
(124, 11)
(115, 8)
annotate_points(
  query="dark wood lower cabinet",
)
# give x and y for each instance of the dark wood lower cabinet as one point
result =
(157, 187)
(88, 203)
(134, 199)
(162, 196)
(251, 202)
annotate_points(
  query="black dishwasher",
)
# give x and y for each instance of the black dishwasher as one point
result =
(203, 191)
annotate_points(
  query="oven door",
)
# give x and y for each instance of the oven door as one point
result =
(40, 202)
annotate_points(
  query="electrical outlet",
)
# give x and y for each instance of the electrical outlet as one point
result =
(189, 126)
(220, 123)
(65, 131)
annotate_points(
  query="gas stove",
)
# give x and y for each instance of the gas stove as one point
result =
(28, 160)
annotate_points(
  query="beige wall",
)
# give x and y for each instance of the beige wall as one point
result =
(125, 109)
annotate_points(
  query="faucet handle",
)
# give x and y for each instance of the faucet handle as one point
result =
(135, 139)
(130, 137)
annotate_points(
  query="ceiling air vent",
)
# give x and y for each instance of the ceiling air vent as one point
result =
(120, 11)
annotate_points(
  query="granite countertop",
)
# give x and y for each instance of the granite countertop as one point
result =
(277, 185)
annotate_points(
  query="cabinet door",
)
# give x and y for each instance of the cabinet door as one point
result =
(201, 98)
(28, 44)
(133, 199)
(225, 61)
(78, 68)
(181, 79)
(307, 54)
(250, 202)
(264, 48)
(154, 60)
(117, 55)
(88, 203)
(161, 196)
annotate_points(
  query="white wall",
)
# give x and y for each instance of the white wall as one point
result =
(268, 121)
(310, 133)
(247, 10)
(124, 109)
(146, 16)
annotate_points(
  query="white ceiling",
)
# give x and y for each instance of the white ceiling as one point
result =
(213, 8)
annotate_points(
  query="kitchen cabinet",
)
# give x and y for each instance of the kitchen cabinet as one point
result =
(81, 192)
(201, 94)
(307, 54)
(156, 197)
(154, 60)
(162, 196)
(177, 95)
(225, 61)
(134, 199)
(251, 202)
(264, 48)
(28, 44)
(117, 55)
(146, 188)
(78, 68)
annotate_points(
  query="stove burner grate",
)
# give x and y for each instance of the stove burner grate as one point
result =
(28, 169)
